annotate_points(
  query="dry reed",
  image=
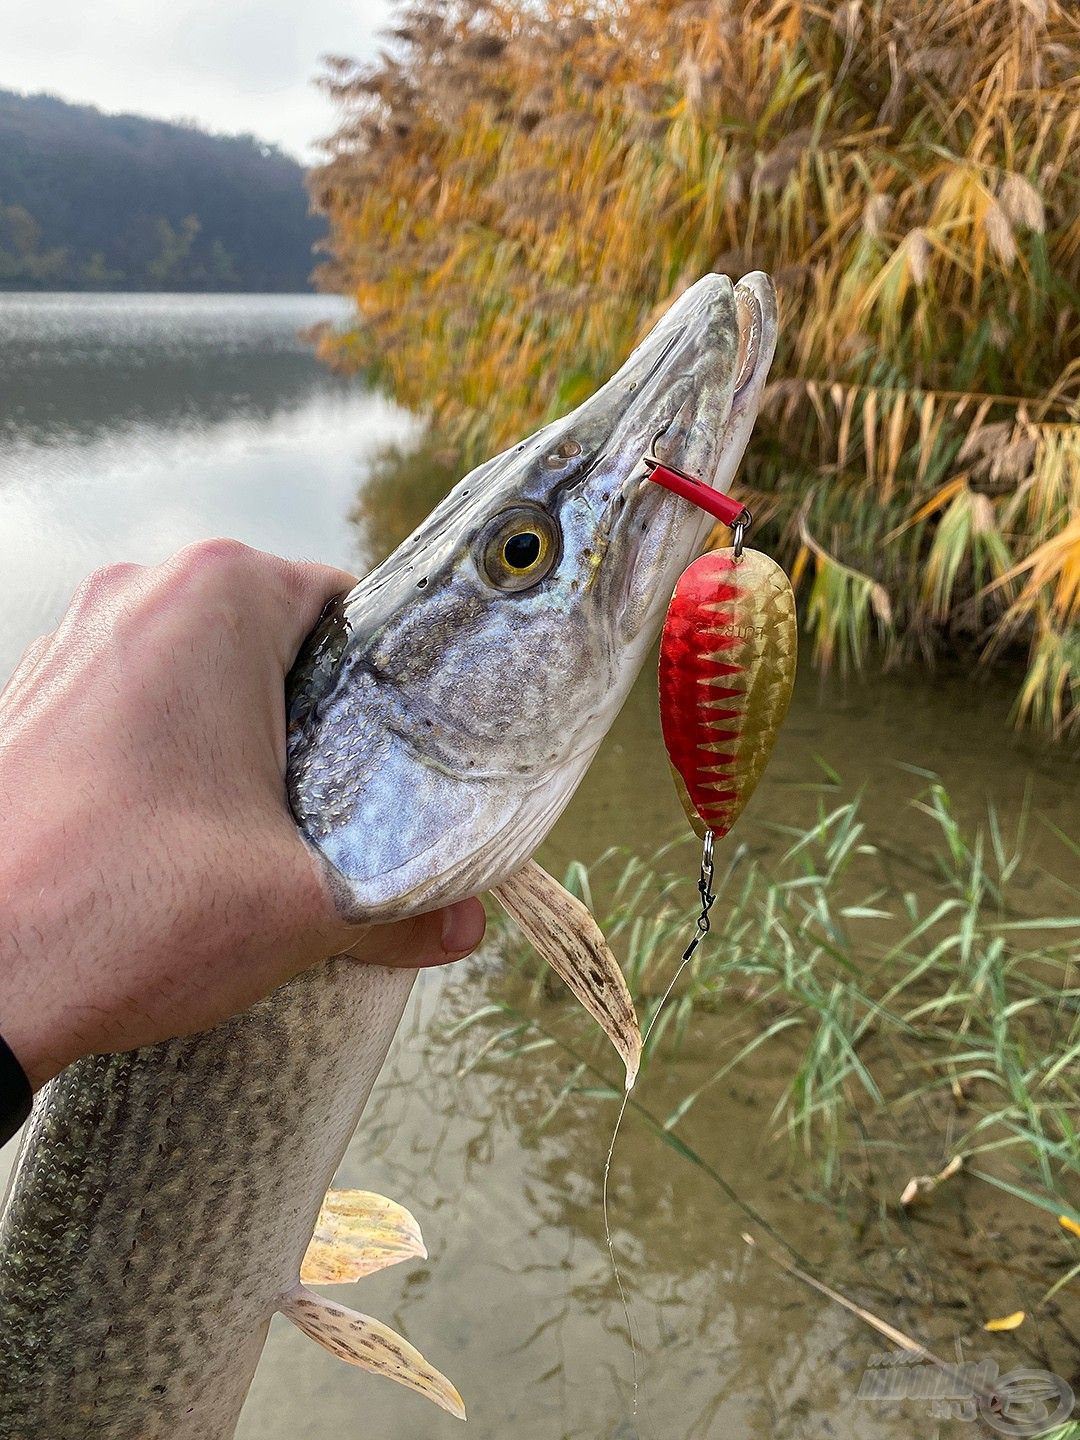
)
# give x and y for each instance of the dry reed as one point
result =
(514, 192)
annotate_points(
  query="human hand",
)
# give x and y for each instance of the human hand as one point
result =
(152, 880)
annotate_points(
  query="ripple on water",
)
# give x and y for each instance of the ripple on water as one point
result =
(132, 425)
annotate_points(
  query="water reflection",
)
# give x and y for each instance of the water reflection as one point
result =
(403, 485)
(75, 366)
(131, 425)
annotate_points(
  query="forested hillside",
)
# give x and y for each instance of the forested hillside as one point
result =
(95, 201)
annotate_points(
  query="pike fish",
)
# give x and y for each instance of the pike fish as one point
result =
(167, 1202)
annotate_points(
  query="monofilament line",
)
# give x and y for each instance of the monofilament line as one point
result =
(705, 889)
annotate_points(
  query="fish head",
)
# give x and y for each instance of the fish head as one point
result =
(442, 713)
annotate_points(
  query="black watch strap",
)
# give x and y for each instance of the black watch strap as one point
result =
(16, 1097)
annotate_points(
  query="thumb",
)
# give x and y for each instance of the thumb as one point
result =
(424, 940)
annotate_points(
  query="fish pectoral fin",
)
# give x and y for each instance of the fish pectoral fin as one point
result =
(368, 1343)
(564, 932)
(357, 1233)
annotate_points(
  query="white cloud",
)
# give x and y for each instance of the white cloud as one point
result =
(231, 65)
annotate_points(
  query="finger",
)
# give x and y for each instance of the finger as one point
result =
(425, 940)
(32, 656)
(300, 591)
(11, 692)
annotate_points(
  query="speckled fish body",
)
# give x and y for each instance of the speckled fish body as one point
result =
(438, 724)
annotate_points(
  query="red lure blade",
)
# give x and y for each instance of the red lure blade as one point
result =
(727, 666)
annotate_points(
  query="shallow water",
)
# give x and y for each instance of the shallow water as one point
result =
(130, 425)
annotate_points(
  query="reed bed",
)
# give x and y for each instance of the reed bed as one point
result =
(908, 1002)
(515, 192)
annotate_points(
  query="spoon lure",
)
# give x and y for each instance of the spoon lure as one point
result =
(727, 667)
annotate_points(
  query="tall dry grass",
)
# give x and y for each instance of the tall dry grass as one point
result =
(514, 193)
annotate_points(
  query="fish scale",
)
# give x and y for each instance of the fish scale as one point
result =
(162, 1203)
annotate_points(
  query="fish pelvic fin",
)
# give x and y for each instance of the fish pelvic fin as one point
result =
(368, 1343)
(562, 930)
(357, 1233)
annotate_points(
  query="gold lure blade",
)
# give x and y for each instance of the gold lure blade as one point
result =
(727, 667)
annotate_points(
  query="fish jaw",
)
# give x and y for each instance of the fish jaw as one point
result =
(443, 713)
(670, 531)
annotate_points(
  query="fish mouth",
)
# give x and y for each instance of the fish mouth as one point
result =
(715, 364)
(697, 381)
(755, 310)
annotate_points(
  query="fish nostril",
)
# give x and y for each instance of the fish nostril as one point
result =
(561, 454)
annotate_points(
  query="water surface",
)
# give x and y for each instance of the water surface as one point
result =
(130, 425)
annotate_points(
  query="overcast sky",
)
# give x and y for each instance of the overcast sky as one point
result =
(231, 65)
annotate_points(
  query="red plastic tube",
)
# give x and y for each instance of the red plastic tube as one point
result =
(698, 493)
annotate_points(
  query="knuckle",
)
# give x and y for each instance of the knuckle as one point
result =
(108, 578)
(103, 585)
(218, 581)
(213, 559)
(212, 573)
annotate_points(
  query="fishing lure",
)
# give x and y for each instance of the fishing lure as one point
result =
(727, 667)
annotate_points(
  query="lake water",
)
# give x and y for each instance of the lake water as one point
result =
(130, 425)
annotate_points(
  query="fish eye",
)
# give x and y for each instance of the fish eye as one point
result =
(522, 550)
(519, 548)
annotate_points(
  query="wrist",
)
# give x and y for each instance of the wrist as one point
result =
(28, 1021)
(15, 1093)
(31, 979)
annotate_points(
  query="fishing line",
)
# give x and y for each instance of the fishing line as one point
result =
(727, 666)
(705, 890)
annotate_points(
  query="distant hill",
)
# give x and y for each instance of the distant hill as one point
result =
(93, 201)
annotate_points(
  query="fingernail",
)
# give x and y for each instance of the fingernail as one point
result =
(463, 927)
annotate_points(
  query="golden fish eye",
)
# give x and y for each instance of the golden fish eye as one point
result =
(519, 548)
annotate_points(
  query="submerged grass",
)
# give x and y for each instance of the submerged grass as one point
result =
(911, 1005)
(515, 191)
